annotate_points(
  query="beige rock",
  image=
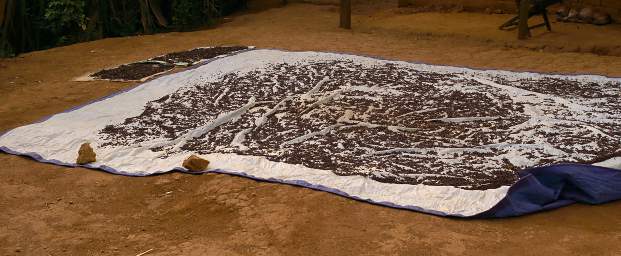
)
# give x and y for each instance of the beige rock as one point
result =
(86, 154)
(195, 164)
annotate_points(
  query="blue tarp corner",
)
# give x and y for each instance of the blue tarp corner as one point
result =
(550, 187)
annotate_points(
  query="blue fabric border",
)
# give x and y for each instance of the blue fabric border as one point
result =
(550, 187)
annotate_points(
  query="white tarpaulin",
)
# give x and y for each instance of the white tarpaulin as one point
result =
(444, 140)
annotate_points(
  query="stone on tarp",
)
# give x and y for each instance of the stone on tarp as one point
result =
(195, 164)
(86, 154)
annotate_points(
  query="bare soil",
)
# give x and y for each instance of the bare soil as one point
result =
(52, 210)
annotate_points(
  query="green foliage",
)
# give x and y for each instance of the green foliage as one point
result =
(66, 15)
(192, 13)
(5, 49)
(119, 17)
(40, 24)
(184, 12)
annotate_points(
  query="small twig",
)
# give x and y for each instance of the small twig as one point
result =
(145, 252)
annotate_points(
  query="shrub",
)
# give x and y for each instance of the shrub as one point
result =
(40, 24)
(66, 19)
(192, 13)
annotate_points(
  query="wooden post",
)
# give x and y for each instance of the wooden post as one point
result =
(523, 31)
(346, 14)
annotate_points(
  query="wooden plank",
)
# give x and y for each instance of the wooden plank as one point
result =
(345, 14)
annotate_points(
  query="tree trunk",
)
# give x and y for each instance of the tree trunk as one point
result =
(156, 8)
(346, 14)
(145, 16)
(403, 3)
(2, 12)
(523, 31)
(13, 38)
(94, 28)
